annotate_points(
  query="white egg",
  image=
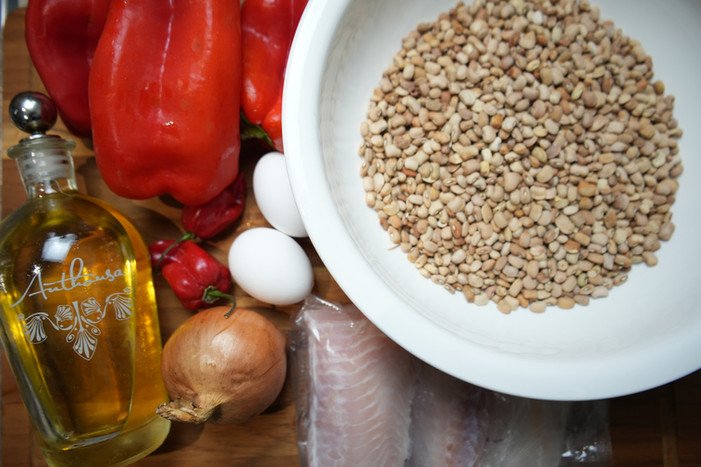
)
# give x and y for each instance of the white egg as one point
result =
(270, 266)
(273, 193)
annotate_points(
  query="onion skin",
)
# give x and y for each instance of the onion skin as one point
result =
(223, 369)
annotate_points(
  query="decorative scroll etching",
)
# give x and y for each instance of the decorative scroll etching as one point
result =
(79, 320)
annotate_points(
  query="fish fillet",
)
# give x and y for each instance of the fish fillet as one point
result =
(355, 407)
(524, 432)
(448, 421)
(363, 401)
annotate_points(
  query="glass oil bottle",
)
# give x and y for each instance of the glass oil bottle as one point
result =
(78, 316)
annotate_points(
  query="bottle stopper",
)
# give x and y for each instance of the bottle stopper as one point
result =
(39, 156)
(33, 113)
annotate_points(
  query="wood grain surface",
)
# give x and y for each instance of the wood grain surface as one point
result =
(660, 427)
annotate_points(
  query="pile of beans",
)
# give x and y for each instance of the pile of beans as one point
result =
(521, 152)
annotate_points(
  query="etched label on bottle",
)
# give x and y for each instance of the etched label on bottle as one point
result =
(78, 318)
(75, 278)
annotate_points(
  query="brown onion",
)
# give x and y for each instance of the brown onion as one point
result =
(223, 369)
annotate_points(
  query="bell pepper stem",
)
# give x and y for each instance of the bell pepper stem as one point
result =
(230, 311)
(212, 294)
(250, 130)
(185, 237)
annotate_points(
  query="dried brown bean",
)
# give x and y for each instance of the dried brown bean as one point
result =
(543, 147)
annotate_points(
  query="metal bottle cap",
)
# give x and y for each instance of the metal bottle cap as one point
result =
(40, 157)
(33, 113)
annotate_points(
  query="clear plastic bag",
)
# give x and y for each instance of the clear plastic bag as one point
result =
(354, 389)
(587, 437)
(546, 433)
(362, 400)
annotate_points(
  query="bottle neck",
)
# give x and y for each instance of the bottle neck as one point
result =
(46, 187)
(46, 166)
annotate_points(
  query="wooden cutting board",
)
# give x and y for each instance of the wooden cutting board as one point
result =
(657, 427)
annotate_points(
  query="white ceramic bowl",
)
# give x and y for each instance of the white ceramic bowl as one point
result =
(646, 333)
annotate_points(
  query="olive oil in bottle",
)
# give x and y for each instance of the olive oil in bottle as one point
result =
(78, 316)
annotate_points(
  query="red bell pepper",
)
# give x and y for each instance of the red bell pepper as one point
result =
(267, 30)
(211, 218)
(165, 89)
(61, 37)
(195, 276)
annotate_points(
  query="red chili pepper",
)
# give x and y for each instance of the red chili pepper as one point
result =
(164, 98)
(196, 277)
(267, 30)
(211, 218)
(61, 37)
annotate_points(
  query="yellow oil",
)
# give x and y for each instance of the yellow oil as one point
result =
(80, 330)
